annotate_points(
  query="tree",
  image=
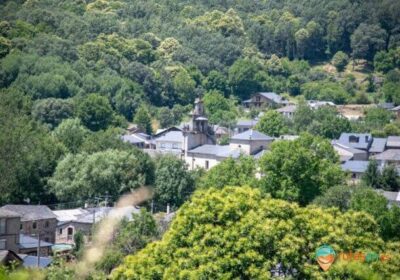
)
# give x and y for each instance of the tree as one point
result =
(377, 118)
(216, 81)
(52, 111)
(230, 172)
(242, 78)
(272, 123)
(79, 243)
(112, 172)
(340, 61)
(300, 170)
(72, 134)
(337, 196)
(184, 87)
(220, 110)
(303, 116)
(328, 123)
(166, 117)
(173, 183)
(237, 233)
(95, 112)
(390, 178)
(367, 40)
(372, 176)
(142, 120)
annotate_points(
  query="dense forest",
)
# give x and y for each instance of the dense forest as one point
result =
(75, 73)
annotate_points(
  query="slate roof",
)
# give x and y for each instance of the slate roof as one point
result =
(364, 142)
(393, 142)
(272, 96)
(246, 123)
(250, 135)
(389, 155)
(395, 109)
(387, 106)
(171, 136)
(391, 196)
(133, 139)
(355, 166)
(347, 147)
(4, 213)
(31, 212)
(31, 261)
(216, 150)
(378, 145)
(287, 109)
(28, 242)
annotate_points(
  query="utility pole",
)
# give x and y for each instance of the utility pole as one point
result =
(38, 250)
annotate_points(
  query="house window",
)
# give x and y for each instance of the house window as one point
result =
(46, 224)
(207, 164)
(3, 244)
(34, 225)
(60, 231)
(258, 99)
(70, 231)
(162, 145)
(20, 226)
(3, 223)
(175, 146)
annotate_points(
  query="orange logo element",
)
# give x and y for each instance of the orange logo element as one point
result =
(325, 256)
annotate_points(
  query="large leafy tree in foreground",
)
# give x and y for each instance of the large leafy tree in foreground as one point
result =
(237, 233)
(82, 176)
(300, 170)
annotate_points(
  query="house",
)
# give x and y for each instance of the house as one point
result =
(392, 197)
(139, 139)
(378, 146)
(386, 106)
(316, 104)
(220, 131)
(355, 167)
(393, 142)
(71, 221)
(390, 156)
(265, 99)
(346, 152)
(10, 222)
(287, 111)
(250, 142)
(35, 219)
(244, 125)
(396, 110)
(29, 245)
(360, 141)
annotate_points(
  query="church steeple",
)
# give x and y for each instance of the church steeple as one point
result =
(199, 119)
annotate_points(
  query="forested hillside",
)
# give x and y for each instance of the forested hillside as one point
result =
(99, 64)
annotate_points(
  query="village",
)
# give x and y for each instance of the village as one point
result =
(33, 234)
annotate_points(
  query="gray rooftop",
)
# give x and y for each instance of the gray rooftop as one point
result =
(355, 166)
(27, 242)
(395, 109)
(389, 155)
(287, 109)
(391, 196)
(31, 212)
(393, 142)
(272, 96)
(171, 136)
(378, 145)
(246, 123)
(356, 140)
(251, 135)
(31, 261)
(347, 147)
(216, 150)
(133, 139)
(4, 213)
(386, 106)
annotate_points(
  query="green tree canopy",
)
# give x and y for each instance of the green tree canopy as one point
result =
(52, 111)
(95, 112)
(173, 182)
(238, 233)
(340, 61)
(300, 170)
(272, 123)
(112, 172)
(230, 172)
(143, 120)
(72, 134)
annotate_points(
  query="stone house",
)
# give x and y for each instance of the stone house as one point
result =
(35, 219)
(9, 230)
(265, 99)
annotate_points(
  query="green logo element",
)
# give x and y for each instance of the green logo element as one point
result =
(325, 256)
